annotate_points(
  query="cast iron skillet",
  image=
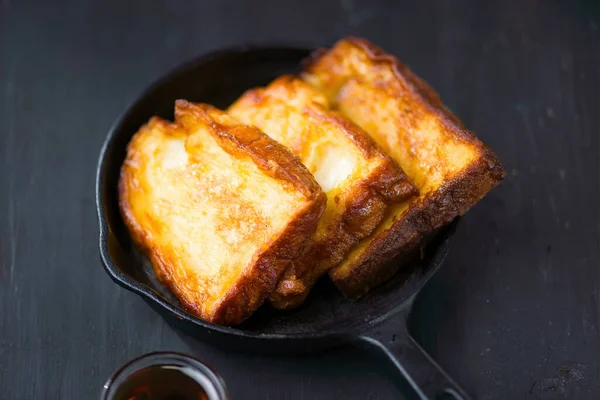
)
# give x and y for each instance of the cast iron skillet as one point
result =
(327, 319)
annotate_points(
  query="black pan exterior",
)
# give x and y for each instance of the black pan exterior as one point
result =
(327, 318)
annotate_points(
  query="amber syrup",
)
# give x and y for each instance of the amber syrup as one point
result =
(162, 382)
(165, 376)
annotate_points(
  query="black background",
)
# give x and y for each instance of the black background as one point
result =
(513, 314)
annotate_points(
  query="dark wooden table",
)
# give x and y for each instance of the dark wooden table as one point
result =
(513, 314)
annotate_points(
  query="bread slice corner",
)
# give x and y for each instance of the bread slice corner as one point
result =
(219, 208)
(360, 180)
(449, 165)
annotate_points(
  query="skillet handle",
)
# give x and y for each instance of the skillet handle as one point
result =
(421, 372)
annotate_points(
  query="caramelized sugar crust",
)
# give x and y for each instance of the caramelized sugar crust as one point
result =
(450, 167)
(360, 180)
(219, 208)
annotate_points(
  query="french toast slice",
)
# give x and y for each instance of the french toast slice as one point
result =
(218, 207)
(450, 167)
(359, 179)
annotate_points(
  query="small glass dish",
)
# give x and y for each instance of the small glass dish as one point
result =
(164, 376)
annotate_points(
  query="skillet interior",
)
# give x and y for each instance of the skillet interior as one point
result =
(219, 79)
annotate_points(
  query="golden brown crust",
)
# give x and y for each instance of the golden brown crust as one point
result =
(128, 182)
(422, 219)
(220, 297)
(429, 96)
(296, 115)
(272, 158)
(250, 292)
(418, 87)
(409, 225)
(389, 181)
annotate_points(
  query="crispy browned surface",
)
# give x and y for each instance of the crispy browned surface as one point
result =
(359, 179)
(218, 207)
(447, 163)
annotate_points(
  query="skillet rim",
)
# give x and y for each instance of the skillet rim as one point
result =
(148, 293)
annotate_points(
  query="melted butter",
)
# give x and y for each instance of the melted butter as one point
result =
(333, 167)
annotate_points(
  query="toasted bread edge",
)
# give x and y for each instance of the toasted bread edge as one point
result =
(365, 203)
(274, 159)
(261, 276)
(367, 208)
(370, 266)
(127, 179)
(388, 182)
